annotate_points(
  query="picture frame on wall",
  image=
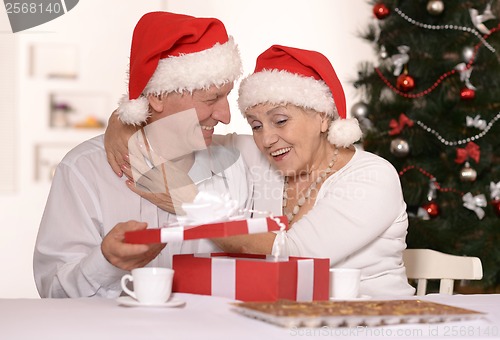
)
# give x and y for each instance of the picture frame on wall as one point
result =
(47, 157)
(53, 61)
(81, 110)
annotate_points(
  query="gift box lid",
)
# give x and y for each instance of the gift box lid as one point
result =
(209, 230)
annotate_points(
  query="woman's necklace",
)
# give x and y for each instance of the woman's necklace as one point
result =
(304, 198)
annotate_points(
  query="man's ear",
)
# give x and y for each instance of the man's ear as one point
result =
(156, 102)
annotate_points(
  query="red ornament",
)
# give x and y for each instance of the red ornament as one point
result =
(381, 11)
(405, 83)
(496, 206)
(432, 209)
(467, 94)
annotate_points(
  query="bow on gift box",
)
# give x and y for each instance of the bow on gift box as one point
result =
(465, 73)
(398, 126)
(476, 122)
(399, 60)
(478, 19)
(475, 203)
(471, 150)
(495, 190)
(209, 207)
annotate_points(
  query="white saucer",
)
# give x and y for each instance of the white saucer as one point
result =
(359, 298)
(131, 302)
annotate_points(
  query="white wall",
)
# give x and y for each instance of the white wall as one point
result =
(103, 42)
(103, 39)
(328, 26)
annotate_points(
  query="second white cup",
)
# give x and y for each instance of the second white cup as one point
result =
(152, 285)
(344, 283)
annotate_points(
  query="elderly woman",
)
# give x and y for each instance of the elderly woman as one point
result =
(342, 203)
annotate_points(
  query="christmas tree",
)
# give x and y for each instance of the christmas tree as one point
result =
(431, 106)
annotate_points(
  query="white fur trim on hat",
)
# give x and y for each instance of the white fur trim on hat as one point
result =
(277, 87)
(344, 132)
(133, 111)
(218, 65)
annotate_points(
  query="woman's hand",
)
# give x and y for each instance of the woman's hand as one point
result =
(164, 200)
(165, 185)
(116, 139)
(261, 243)
(150, 184)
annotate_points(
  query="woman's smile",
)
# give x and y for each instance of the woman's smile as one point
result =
(279, 154)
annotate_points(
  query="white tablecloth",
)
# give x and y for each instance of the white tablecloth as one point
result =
(205, 317)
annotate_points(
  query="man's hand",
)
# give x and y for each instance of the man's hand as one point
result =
(128, 256)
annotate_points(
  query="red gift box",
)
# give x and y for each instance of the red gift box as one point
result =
(210, 230)
(248, 277)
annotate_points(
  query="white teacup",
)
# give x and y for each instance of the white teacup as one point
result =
(152, 285)
(344, 283)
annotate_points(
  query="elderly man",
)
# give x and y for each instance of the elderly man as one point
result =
(180, 66)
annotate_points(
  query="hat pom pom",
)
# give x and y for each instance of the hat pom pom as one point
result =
(134, 111)
(344, 132)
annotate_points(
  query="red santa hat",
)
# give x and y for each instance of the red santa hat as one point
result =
(286, 75)
(175, 53)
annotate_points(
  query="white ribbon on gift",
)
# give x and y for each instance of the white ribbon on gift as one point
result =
(478, 19)
(279, 250)
(465, 75)
(399, 60)
(476, 122)
(224, 278)
(475, 203)
(305, 280)
(257, 225)
(171, 234)
(495, 190)
(175, 232)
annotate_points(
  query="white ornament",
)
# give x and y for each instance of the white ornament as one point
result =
(465, 73)
(495, 190)
(399, 147)
(435, 7)
(478, 19)
(475, 203)
(399, 60)
(467, 53)
(476, 122)
(468, 174)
